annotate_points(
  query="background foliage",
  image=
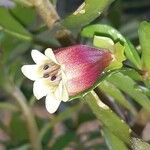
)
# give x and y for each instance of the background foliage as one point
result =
(82, 123)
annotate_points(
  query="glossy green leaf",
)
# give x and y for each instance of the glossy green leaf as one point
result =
(114, 92)
(11, 26)
(132, 73)
(144, 36)
(129, 86)
(108, 31)
(112, 141)
(133, 55)
(138, 144)
(107, 117)
(86, 13)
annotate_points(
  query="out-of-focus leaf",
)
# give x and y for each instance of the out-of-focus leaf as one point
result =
(11, 26)
(129, 86)
(108, 31)
(27, 15)
(61, 117)
(108, 118)
(144, 36)
(112, 141)
(8, 106)
(114, 92)
(63, 141)
(18, 129)
(138, 144)
(22, 147)
(86, 13)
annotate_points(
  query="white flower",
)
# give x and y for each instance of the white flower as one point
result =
(49, 79)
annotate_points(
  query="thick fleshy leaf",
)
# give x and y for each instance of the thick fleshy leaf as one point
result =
(11, 26)
(108, 118)
(83, 66)
(112, 141)
(52, 103)
(129, 86)
(86, 13)
(114, 92)
(30, 71)
(108, 31)
(144, 36)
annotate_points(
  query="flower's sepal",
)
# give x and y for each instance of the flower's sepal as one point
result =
(118, 57)
(116, 49)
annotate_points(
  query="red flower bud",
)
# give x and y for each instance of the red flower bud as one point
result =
(83, 66)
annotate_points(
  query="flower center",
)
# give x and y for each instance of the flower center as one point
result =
(51, 71)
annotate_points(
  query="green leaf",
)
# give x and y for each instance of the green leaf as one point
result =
(133, 55)
(114, 92)
(144, 36)
(107, 117)
(108, 31)
(18, 129)
(129, 86)
(112, 141)
(132, 73)
(27, 15)
(63, 141)
(138, 144)
(86, 13)
(8, 106)
(11, 26)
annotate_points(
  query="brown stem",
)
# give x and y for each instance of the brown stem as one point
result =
(46, 11)
(31, 123)
(51, 18)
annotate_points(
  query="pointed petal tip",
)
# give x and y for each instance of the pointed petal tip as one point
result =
(37, 56)
(51, 103)
(29, 71)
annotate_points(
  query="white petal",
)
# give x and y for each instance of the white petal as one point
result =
(39, 90)
(38, 57)
(49, 53)
(30, 71)
(52, 103)
(65, 95)
(64, 77)
(58, 92)
(61, 92)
